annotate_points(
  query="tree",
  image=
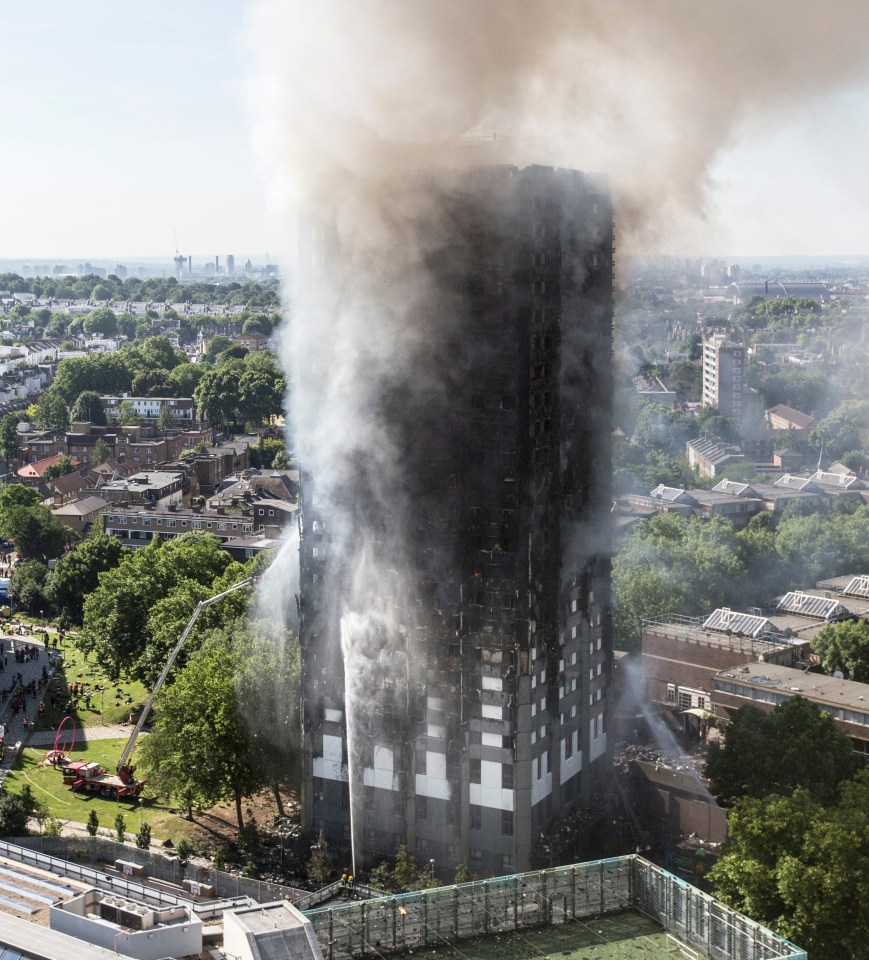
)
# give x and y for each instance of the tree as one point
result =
(102, 321)
(216, 346)
(319, 865)
(100, 453)
(158, 354)
(77, 573)
(105, 373)
(127, 415)
(166, 418)
(268, 683)
(671, 564)
(9, 437)
(797, 745)
(802, 869)
(183, 379)
(403, 876)
(60, 468)
(151, 383)
(37, 533)
(217, 393)
(199, 751)
(841, 430)
(15, 495)
(143, 836)
(88, 408)
(15, 811)
(27, 589)
(845, 647)
(93, 823)
(51, 412)
(120, 828)
(811, 548)
(123, 610)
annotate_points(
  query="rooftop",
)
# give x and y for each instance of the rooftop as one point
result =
(622, 907)
(810, 605)
(831, 692)
(799, 419)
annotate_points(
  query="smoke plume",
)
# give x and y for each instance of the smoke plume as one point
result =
(648, 92)
(363, 113)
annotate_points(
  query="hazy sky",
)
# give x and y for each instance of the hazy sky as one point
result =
(125, 122)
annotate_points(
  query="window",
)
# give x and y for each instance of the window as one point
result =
(476, 817)
(507, 823)
(421, 808)
(170, 523)
(506, 776)
(475, 771)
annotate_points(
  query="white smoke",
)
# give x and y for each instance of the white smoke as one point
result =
(357, 103)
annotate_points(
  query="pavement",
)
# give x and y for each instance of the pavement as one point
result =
(14, 732)
(45, 738)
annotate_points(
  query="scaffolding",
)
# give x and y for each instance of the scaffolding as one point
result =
(447, 915)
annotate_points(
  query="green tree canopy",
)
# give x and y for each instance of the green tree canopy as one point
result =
(102, 321)
(27, 588)
(151, 383)
(802, 869)
(118, 620)
(127, 415)
(60, 468)
(183, 379)
(216, 346)
(9, 437)
(88, 408)
(845, 647)
(100, 453)
(51, 411)
(670, 565)
(105, 373)
(199, 750)
(842, 429)
(37, 533)
(797, 745)
(77, 573)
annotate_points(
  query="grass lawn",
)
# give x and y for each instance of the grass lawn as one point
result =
(110, 707)
(47, 786)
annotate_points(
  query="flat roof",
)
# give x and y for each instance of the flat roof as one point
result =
(35, 942)
(828, 691)
(628, 935)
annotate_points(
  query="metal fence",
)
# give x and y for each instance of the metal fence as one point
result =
(560, 895)
(97, 850)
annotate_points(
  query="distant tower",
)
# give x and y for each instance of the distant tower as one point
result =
(724, 384)
(190, 266)
(230, 265)
(216, 265)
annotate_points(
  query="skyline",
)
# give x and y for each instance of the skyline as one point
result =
(134, 125)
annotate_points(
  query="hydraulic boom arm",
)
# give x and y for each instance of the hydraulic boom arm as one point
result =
(146, 710)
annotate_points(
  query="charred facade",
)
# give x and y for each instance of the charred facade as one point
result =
(486, 693)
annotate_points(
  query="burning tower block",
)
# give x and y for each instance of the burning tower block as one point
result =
(455, 604)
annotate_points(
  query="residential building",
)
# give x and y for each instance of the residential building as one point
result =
(32, 472)
(487, 723)
(766, 685)
(79, 515)
(795, 423)
(724, 386)
(183, 409)
(251, 341)
(144, 488)
(710, 455)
